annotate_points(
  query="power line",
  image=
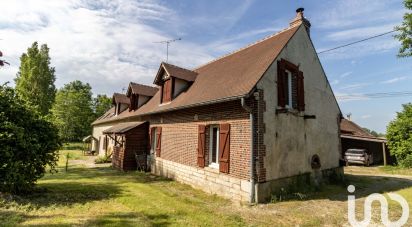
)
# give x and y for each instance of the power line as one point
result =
(359, 41)
(375, 95)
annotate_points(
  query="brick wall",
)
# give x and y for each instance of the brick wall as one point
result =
(180, 134)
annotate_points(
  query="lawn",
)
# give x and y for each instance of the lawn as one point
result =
(101, 196)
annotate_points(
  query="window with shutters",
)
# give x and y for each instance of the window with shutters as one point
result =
(167, 90)
(291, 94)
(153, 142)
(214, 146)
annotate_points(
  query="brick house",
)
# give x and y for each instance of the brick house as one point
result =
(241, 126)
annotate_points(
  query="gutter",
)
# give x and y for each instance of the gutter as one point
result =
(252, 166)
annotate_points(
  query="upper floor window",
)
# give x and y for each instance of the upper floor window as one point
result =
(291, 94)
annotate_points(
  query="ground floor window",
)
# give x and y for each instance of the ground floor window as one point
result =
(153, 143)
(214, 147)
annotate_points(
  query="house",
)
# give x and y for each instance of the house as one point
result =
(242, 126)
(355, 137)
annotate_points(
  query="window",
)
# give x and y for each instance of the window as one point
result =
(290, 86)
(167, 91)
(154, 141)
(214, 147)
(288, 90)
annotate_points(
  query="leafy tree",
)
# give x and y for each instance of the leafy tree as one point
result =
(28, 143)
(102, 104)
(72, 111)
(35, 79)
(405, 36)
(399, 135)
(3, 62)
(374, 133)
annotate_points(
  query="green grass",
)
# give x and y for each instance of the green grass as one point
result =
(105, 197)
(396, 170)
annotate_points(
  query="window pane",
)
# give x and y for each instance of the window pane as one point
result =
(214, 145)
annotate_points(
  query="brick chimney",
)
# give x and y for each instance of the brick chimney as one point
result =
(300, 19)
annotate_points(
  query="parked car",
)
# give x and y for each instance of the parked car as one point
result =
(359, 156)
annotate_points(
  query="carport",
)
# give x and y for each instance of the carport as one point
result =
(130, 142)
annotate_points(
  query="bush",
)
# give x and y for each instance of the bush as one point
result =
(28, 143)
(399, 135)
(102, 159)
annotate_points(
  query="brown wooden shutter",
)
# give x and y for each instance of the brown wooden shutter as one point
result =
(201, 146)
(281, 82)
(301, 92)
(224, 148)
(105, 143)
(159, 141)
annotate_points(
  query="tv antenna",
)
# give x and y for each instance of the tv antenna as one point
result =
(167, 45)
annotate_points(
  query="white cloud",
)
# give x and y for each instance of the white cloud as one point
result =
(394, 80)
(366, 116)
(105, 43)
(343, 75)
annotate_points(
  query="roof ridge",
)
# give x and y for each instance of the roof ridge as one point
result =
(178, 67)
(245, 47)
(143, 85)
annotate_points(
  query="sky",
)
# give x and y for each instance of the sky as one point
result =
(108, 43)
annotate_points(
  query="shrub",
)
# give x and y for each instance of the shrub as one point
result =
(102, 159)
(399, 135)
(28, 143)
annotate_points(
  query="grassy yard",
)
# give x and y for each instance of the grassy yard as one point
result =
(100, 196)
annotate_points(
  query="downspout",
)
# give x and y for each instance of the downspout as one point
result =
(252, 169)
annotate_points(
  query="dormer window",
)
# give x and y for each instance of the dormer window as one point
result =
(139, 94)
(121, 102)
(173, 80)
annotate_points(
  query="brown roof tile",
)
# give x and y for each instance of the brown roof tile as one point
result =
(226, 78)
(120, 98)
(141, 89)
(348, 127)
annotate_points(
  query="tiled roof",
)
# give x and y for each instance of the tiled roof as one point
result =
(142, 89)
(348, 127)
(120, 98)
(227, 78)
(122, 128)
(175, 71)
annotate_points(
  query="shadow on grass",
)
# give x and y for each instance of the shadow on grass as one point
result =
(365, 185)
(130, 219)
(66, 194)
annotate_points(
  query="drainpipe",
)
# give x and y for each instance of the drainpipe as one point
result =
(252, 178)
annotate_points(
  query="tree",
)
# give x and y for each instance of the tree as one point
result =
(405, 35)
(102, 104)
(28, 143)
(3, 62)
(374, 133)
(35, 79)
(72, 111)
(399, 135)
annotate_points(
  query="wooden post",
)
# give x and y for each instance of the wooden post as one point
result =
(384, 154)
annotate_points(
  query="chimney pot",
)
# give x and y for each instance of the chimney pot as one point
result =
(300, 19)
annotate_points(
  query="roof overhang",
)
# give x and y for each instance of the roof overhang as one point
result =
(378, 140)
(122, 128)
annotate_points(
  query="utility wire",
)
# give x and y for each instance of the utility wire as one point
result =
(359, 41)
(375, 95)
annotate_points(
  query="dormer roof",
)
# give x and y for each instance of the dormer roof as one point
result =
(120, 98)
(174, 71)
(141, 89)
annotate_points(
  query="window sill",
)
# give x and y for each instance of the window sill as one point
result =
(289, 111)
(212, 169)
(164, 104)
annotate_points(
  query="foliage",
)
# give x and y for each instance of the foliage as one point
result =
(72, 111)
(405, 35)
(102, 159)
(102, 103)
(374, 133)
(28, 143)
(3, 62)
(399, 135)
(35, 79)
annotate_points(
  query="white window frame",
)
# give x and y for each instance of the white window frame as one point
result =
(214, 164)
(289, 102)
(154, 142)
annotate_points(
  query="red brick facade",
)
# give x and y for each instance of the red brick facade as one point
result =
(179, 140)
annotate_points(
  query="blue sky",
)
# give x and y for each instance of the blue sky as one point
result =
(108, 43)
